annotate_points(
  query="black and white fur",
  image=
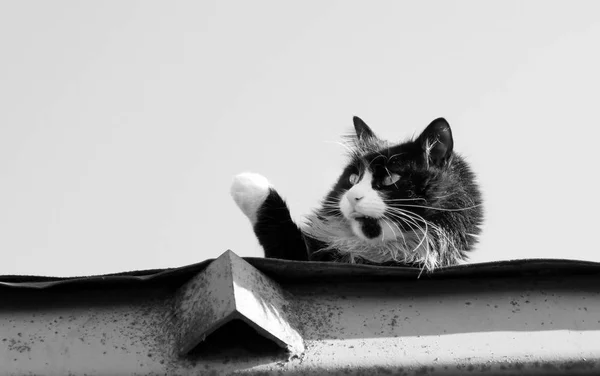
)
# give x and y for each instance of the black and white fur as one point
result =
(412, 203)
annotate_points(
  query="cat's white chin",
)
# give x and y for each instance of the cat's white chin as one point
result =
(249, 191)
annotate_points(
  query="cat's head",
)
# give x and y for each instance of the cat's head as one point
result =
(418, 189)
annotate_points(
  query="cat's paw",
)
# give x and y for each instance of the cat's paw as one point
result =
(249, 191)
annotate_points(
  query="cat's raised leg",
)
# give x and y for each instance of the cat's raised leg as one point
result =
(269, 216)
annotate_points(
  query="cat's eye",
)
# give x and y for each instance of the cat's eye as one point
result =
(353, 179)
(394, 160)
(390, 179)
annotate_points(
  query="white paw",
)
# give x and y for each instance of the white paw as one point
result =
(249, 191)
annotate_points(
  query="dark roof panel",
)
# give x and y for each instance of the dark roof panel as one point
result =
(284, 270)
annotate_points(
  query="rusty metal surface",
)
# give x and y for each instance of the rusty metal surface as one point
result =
(264, 304)
(529, 325)
(101, 332)
(535, 317)
(204, 304)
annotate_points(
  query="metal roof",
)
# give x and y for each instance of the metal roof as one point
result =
(258, 316)
(285, 270)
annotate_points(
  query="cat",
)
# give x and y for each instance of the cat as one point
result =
(414, 203)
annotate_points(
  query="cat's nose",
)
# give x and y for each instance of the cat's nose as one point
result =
(354, 197)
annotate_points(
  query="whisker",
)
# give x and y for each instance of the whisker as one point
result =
(423, 231)
(441, 209)
(411, 223)
(421, 272)
(331, 204)
(399, 230)
(374, 159)
(437, 229)
(404, 199)
(419, 198)
(402, 213)
(391, 229)
(395, 155)
(390, 175)
(414, 216)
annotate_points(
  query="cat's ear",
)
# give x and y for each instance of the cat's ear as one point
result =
(436, 141)
(363, 131)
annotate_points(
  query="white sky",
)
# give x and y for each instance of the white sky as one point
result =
(122, 123)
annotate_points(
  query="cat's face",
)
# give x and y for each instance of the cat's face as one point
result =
(386, 189)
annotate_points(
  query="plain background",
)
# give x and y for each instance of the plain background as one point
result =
(122, 123)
